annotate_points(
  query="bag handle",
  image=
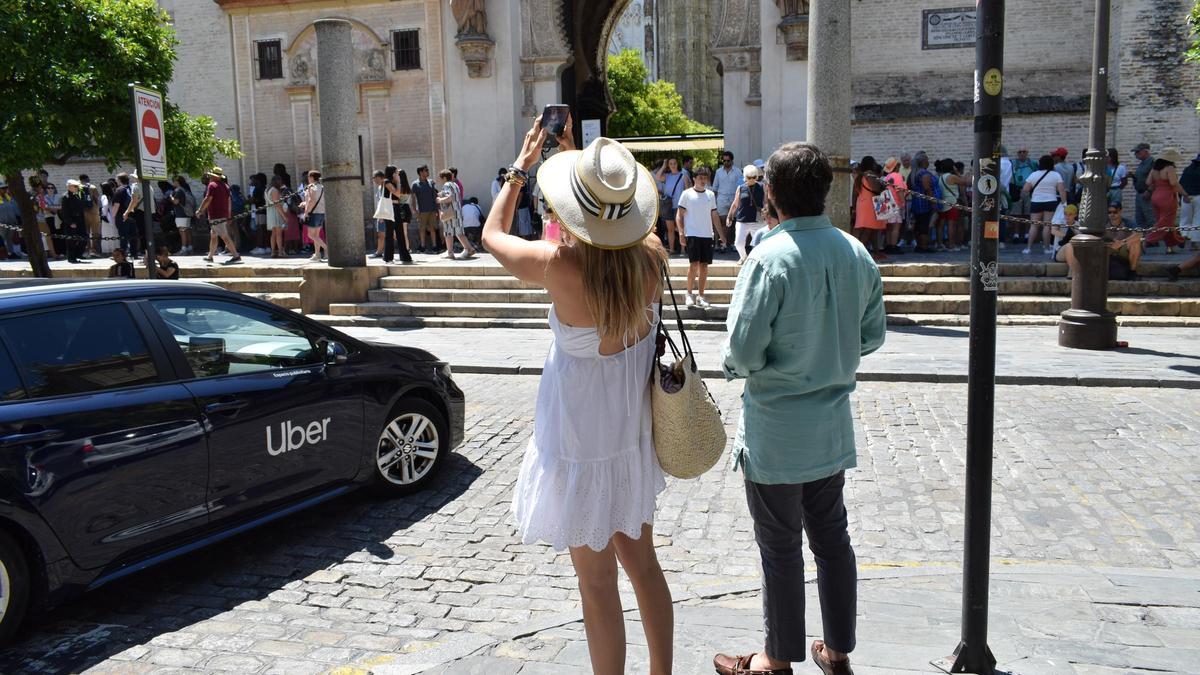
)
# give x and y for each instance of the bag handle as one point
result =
(687, 345)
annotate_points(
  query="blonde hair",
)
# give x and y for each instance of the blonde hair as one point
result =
(616, 283)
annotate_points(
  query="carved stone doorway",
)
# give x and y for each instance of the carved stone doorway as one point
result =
(584, 82)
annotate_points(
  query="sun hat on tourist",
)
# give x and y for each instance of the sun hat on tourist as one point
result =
(601, 194)
(1171, 155)
(71, 182)
(216, 171)
(751, 172)
(891, 164)
(759, 163)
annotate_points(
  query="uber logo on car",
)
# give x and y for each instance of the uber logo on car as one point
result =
(294, 436)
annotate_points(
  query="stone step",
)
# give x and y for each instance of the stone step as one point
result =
(284, 300)
(504, 296)
(1012, 305)
(946, 320)
(98, 269)
(257, 284)
(936, 285)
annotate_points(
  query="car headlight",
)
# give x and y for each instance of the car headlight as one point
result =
(445, 371)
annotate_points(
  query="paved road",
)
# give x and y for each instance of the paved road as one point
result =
(1084, 477)
(1024, 354)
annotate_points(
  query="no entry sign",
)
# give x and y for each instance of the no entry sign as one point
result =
(148, 129)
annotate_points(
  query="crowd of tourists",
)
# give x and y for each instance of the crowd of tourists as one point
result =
(913, 203)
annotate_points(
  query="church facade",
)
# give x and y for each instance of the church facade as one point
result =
(456, 82)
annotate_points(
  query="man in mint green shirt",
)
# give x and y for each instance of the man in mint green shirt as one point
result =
(807, 306)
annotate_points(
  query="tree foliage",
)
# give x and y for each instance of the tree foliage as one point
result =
(647, 108)
(64, 90)
(1193, 52)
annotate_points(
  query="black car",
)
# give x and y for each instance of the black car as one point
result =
(140, 420)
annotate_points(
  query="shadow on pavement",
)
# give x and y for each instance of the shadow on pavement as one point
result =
(92, 628)
(1155, 352)
(930, 331)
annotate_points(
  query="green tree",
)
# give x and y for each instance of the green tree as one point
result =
(1193, 52)
(647, 108)
(64, 92)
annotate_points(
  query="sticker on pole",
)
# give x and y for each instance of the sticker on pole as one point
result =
(991, 229)
(148, 122)
(987, 184)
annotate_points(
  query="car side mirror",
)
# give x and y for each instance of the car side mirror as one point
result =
(334, 352)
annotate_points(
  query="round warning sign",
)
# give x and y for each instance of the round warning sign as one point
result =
(151, 133)
(987, 185)
(993, 82)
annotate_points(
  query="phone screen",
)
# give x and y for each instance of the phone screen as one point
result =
(554, 118)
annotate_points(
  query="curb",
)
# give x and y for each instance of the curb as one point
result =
(929, 378)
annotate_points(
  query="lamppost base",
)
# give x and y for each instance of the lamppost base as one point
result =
(967, 659)
(1084, 329)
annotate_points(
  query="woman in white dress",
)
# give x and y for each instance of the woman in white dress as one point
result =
(590, 477)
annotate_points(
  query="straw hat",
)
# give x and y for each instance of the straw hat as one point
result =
(891, 164)
(601, 194)
(751, 171)
(1171, 155)
(216, 171)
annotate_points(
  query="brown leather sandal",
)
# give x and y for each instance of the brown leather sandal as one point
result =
(829, 667)
(740, 665)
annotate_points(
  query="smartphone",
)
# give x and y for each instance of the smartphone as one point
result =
(554, 119)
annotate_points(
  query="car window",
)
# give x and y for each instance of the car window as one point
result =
(78, 350)
(227, 338)
(11, 387)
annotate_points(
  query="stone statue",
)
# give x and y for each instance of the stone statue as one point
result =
(302, 68)
(792, 7)
(470, 17)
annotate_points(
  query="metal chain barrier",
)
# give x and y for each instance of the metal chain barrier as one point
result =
(287, 194)
(1025, 221)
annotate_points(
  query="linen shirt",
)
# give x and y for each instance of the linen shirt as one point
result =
(807, 306)
(725, 183)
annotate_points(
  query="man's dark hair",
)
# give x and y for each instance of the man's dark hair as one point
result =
(686, 159)
(502, 172)
(799, 175)
(921, 160)
(83, 178)
(1045, 163)
(727, 154)
(123, 178)
(1115, 205)
(702, 171)
(162, 250)
(454, 170)
(424, 168)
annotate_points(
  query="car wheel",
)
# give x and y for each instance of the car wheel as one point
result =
(14, 586)
(411, 447)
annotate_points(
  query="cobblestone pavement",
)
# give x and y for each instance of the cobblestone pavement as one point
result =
(1090, 477)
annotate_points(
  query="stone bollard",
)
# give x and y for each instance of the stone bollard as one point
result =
(338, 103)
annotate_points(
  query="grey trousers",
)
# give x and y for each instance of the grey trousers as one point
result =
(1143, 211)
(782, 515)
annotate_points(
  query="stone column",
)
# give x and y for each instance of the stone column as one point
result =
(337, 99)
(829, 98)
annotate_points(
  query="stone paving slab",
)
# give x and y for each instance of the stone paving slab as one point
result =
(1044, 620)
(1155, 357)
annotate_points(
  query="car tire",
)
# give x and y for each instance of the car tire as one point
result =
(14, 586)
(411, 447)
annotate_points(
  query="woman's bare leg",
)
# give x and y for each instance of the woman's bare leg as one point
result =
(603, 621)
(640, 562)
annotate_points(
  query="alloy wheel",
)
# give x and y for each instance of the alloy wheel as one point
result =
(408, 448)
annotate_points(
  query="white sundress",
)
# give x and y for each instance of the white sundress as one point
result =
(589, 470)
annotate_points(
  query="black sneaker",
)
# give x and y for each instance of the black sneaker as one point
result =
(234, 260)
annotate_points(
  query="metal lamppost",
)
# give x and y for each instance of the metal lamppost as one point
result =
(1089, 324)
(973, 654)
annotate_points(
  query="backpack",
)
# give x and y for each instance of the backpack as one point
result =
(87, 196)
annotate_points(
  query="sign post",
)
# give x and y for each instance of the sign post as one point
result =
(150, 141)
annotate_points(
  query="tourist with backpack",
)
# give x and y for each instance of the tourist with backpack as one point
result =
(1047, 190)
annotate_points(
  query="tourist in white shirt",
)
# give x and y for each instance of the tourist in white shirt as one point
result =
(698, 213)
(726, 180)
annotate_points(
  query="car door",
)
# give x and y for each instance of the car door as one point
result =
(98, 437)
(280, 421)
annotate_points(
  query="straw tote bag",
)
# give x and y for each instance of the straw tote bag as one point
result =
(688, 434)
